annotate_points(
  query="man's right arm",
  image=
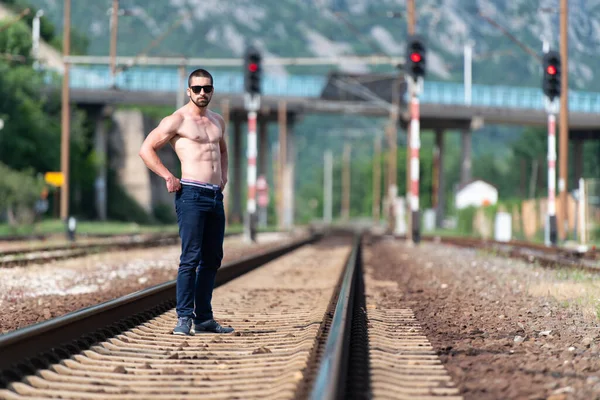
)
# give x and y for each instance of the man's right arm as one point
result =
(155, 140)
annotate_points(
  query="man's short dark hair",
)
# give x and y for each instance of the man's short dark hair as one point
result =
(199, 73)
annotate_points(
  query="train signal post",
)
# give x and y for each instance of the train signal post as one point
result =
(415, 72)
(252, 86)
(262, 194)
(551, 86)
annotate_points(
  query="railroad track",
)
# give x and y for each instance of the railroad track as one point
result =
(531, 252)
(20, 238)
(16, 258)
(303, 328)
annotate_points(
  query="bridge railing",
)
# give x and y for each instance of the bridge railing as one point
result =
(503, 96)
(168, 80)
(97, 77)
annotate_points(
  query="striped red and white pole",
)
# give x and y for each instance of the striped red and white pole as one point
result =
(251, 155)
(415, 145)
(552, 177)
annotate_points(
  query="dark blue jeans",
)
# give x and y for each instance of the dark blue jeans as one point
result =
(201, 220)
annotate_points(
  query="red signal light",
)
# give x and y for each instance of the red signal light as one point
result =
(253, 67)
(415, 57)
(551, 69)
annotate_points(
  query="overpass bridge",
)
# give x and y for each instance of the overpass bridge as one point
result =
(441, 101)
(443, 106)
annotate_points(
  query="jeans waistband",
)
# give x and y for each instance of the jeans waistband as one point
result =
(210, 186)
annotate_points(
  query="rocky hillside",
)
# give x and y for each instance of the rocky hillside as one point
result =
(220, 28)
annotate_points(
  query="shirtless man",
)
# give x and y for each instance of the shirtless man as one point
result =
(198, 137)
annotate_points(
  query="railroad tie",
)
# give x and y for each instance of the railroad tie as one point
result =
(403, 363)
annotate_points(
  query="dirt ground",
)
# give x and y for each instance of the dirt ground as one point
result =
(36, 293)
(504, 329)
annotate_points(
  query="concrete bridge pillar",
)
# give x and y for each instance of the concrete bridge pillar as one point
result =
(465, 164)
(287, 161)
(288, 178)
(130, 130)
(236, 172)
(100, 149)
(438, 202)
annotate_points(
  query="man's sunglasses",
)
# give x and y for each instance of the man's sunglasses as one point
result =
(197, 89)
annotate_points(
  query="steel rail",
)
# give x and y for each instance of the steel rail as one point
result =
(29, 349)
(330, 381)
(73, 251)
(17, 238)
(127, 241)
(45, 236)
(479, 242)
(546, 256)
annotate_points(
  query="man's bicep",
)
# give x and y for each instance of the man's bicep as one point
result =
(162, 133)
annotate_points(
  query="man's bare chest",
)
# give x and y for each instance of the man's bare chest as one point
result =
(201, 131)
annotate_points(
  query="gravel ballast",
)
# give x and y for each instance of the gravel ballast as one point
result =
(36, 293)
(504, 329)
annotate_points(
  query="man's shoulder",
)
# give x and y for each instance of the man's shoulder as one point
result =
(177, 115)
(218, 117)
(171, 123)
(174, 119)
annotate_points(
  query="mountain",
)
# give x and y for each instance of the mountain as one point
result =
(221, 28)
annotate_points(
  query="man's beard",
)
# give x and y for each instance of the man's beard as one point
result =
(202, 103)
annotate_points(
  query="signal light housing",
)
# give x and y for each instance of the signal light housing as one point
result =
(551, 79)
(252, 71)
(416, 60)
(415, 57)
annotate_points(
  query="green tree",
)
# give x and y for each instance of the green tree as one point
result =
(19, 191)
(30, 139)
(29, 133)
(31, 136)
(15, 40)
(79, 42)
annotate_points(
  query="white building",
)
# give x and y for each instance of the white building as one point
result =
(476, 193)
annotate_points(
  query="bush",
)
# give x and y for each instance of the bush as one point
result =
(19, 191)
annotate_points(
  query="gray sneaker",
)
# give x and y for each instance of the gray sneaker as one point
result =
(184, 327)
(211, 326)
